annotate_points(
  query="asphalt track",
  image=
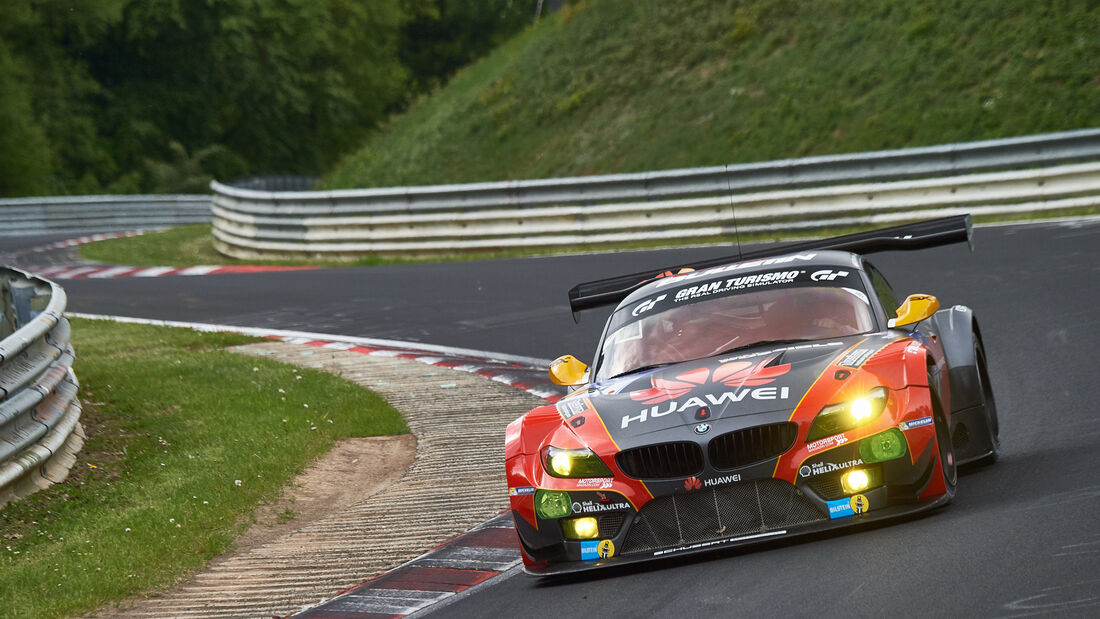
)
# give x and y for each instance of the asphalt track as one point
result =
(1022, 537)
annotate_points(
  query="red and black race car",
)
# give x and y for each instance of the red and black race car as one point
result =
(731, 403)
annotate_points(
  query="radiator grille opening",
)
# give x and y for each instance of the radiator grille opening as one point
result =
(663, 461)
(751, 445)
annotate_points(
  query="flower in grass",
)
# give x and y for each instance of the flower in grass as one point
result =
(237, 482)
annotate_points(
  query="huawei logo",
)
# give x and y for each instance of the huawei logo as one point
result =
(692, 483)
(735, 374)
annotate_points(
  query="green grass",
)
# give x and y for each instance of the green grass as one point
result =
(174, 421)
(609, 86)
(182, 246)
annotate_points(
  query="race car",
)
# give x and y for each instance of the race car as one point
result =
(732, 402)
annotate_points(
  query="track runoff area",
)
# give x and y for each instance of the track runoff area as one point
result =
(1021, 535)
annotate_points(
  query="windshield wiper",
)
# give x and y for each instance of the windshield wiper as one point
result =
(764, 343)
(651, 366)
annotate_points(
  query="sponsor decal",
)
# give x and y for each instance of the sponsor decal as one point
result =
(739, 374)
(775, 350)
(702, 428)
(735, 283)
(827, 275)
(647, 305)
(588, 551)
(694, 483)
(577, 422)
(661, 283)
(717, 541)
(859, 504)
(719, 481)
(593, 507)
(521, 490)
(916, 423)
(603, 549)
(855, 358)
(702, 413)
(820, 468)
(840, 508)
(914, 347)
(827, 442)
(842, 374)
(572, 407)
(715, 399)
(602, 483)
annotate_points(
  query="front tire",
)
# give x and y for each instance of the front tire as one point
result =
(985, 392)
(946, 449)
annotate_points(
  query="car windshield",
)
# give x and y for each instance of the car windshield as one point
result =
(666, 331)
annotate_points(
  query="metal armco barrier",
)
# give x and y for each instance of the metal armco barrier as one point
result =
(40, 432)
(989, 177)
(22, 216)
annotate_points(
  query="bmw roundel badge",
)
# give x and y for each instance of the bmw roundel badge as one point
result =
(702, 428)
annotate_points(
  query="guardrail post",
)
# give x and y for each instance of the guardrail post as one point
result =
(21, 296)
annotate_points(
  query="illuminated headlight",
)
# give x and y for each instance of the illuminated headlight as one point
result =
(837, 418)
(573, 463)
(581, 528)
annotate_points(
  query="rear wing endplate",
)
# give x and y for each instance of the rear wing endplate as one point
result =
(920, 235)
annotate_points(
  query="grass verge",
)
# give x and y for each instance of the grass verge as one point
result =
(185, 440)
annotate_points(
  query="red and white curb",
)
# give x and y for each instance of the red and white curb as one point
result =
(524, 373)
(92, 238)
(76, 269)
(110, 272)
(436, 577)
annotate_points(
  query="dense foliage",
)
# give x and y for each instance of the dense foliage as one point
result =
(610, 86)
(158, 95)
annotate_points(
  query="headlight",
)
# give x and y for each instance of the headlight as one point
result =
(573, 463)
(837, 418)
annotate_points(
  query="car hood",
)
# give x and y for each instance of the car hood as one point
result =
(667, 403)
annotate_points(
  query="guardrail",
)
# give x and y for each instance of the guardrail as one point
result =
(40, 432)
(791, 194)
(22, 216)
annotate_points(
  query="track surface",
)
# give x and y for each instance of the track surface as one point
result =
(1021, 538)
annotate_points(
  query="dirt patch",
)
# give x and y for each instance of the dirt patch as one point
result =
(354, 469)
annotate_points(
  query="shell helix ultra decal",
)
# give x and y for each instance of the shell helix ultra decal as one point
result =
(859, 504)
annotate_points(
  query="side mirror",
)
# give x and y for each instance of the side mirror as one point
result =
(567, 371)
(916, 308)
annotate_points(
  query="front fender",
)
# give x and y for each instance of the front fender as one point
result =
(956, 327)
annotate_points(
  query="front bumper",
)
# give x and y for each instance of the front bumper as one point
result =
(755, 508)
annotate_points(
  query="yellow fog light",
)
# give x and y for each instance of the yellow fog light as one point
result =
(855, 480)
(581, 528)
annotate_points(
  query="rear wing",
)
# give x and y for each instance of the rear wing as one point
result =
(920, 235)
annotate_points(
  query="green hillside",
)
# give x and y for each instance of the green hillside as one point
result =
(617, 86)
